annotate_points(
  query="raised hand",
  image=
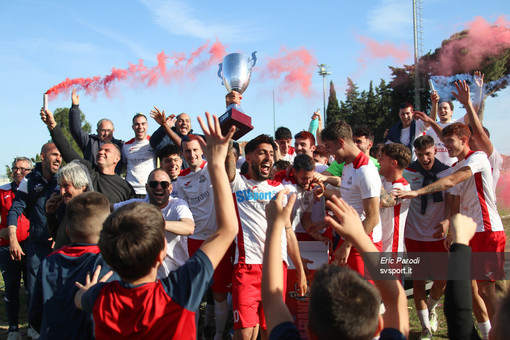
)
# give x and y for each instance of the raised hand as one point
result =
(217, 145)
(75, 98)
(48, 119)
(434, 97)
(463, 95)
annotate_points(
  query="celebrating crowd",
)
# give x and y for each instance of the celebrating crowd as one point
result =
(114, 245)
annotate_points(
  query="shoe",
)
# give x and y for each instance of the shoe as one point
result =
(433, 321)
(14, 336)
(426, 334)
(32, 333)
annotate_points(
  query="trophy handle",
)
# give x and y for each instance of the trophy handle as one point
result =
(253, 59)
(220, 68)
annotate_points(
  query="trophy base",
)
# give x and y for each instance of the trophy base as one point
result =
(235, 117)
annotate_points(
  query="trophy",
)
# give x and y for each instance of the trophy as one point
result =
(235, 71)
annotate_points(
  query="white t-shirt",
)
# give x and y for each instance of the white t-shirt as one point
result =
(304, 203)
(176, 245)
(393, 219)
(196, 189)
(477, 198)
(421, 227)
(360, 180)
(250, 198)
(141, 160)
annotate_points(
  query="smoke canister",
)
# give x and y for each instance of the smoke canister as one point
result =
(45, 101)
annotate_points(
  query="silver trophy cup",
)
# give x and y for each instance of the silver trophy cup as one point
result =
(235, 71)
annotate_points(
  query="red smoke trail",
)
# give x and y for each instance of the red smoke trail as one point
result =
(139, 74)
(503, 192)
(296, 67)
(378, 50)
(468, 53)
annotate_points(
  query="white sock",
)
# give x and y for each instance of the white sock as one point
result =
(423, 315)
(432, 304)
(485, 328)
(221, 311)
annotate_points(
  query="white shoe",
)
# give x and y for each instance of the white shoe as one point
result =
(14, 336)
(32, 333)
(426, 334)
(433, 321)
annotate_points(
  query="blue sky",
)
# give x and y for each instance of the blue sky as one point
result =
(45, 42)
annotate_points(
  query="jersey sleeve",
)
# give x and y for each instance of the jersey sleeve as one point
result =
(370, 183)
(476, 162)
(189, 282)
(182, 210)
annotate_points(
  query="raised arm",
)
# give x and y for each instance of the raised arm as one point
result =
(61, 142)
(275, 310)
(215, 150)
(81, 137)
(349, 226)
(431, 123)
(464, 97)
(165, 129)
(434, 98)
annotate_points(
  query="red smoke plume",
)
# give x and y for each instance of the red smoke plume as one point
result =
(468, 53)
(139, 74)
(376, 50)
(295, 66)
(503, 192)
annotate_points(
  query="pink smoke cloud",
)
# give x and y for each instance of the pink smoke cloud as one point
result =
(482, 40)
(293, 69)
(379, 50)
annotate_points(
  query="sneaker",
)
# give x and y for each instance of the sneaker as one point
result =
(433, 321)
(426, 334)
(14, 336)
(32, 333)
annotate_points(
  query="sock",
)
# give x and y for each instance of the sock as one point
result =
(209, 314)
(423, 315)
(485, 328)
(432, 304)
(221, 311)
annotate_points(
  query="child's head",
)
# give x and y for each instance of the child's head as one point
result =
(133, 239)
(343, 305)
(85, 216)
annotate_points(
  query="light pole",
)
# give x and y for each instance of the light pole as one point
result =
(323, 71)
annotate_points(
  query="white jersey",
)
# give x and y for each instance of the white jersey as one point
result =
(421, 227)
(250, 198)
(360, 180)
(196, 189)
(477, 198)
(291, 154)
(496, 162)
(141, 160)
(393, 219)
(176, 245)
(442, 152)
(304, 203)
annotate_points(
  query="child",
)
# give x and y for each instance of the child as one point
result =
(133, 243)
(51, 312)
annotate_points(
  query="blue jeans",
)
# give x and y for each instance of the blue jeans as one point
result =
(11, 273)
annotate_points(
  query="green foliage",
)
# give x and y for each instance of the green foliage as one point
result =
(62, 118)
(333, 110)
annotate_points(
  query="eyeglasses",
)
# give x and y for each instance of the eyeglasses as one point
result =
(154, 184)
(16, 169)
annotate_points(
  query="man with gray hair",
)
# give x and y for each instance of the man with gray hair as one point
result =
(89, 143)
(12, 270)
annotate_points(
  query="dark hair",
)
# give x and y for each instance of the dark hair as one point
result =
(320, 150)
(305, 135)
(398, 152)
(170, 149)
(337, 130)
(255, 142)
(281, 165)
(132, 239)
(236, 148)
(282, 133)
(364, 131)
(304, 162)
(119, 152)
(458, 129)
(484, 130)
(343, 305)
(85, 215)
(188, 138)
(406, 105)
(139, 115)
(449, 102)
(423, 142)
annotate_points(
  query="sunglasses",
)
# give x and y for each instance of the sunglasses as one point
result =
(154, 184)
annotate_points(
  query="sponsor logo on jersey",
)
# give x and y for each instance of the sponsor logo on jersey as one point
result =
(199, 198)
(349, 181)
(202, 179)
(188, 185)
(249, 195)
(38, 188)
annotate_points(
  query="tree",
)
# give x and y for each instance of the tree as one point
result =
(333, 110)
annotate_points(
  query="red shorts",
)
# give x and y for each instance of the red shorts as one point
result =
(222, 277)
(246, 295)
(415, 246)
(355, 260)
(489, 264)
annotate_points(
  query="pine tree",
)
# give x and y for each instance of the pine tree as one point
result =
(333, 110)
